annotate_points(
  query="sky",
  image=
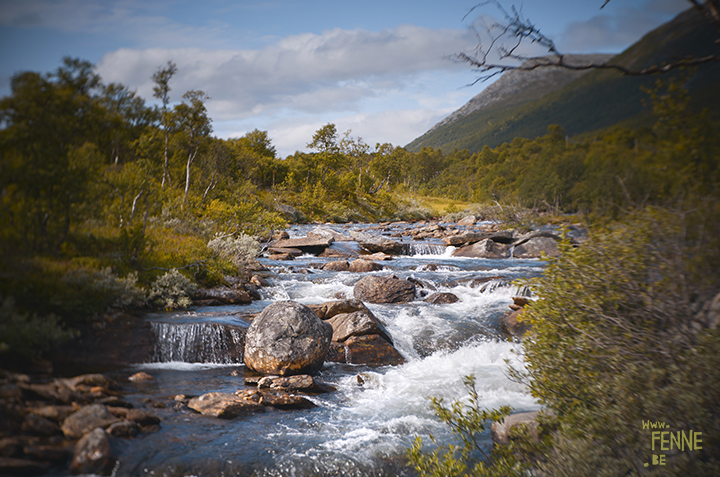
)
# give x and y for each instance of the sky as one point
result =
(379, 68)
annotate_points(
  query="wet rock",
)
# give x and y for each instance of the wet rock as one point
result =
(87, 419)
(329, 309)
(441, 298)
(287, 338)
(376, 289)
(375, 243)
(224, 405)
(484, 249)
(361, 266)
(281, 257)
(301, 383)
(282, 235)
(93, 454)
(339, 266)
(285, 401)
(48, 453)
(11, 466)
(142, 376)
(306, 244)
(57, 392)
(259, 281)
(295, 252)
(124, 429)
(380, 256)
(513, 326)
(467, 221)
(224, 295)
(371, 350)
(503, 236)
(500, 431)
(336, 353)
(90, 380)
(54, 413)
(463, 238)
(537, 247)
(357, 324)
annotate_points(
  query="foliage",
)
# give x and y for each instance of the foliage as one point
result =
(236, 249)
(24, 337)
(172, 290)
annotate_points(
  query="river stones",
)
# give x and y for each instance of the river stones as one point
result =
(536, 247)
(375, 243)
(93, 454)
(224, 405)
(487, 248)
(87, 419)
(362, 265)
(339, 266)
(467, 221)
(287, 338)
(357, 323)
(371, 350)
(376, 289)
(441, 298)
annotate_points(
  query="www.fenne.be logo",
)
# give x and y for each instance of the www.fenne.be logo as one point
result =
(666, 440)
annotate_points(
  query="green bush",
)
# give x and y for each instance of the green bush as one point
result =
(172, 290)
(238, 250)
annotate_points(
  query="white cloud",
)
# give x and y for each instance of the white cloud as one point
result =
(307, 72)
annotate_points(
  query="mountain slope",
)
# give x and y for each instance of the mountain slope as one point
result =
(596, 100)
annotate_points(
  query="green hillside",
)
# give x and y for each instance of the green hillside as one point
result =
(612, 97)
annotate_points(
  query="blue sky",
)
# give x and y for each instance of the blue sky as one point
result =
(378, 68)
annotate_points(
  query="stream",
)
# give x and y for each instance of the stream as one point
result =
(359, 430)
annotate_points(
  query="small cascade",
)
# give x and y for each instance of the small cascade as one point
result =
(414, 249)
(197, 343)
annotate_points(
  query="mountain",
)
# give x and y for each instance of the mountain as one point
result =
(524, 103)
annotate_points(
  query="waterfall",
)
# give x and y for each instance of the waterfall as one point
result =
(414, 249)
(197, 343)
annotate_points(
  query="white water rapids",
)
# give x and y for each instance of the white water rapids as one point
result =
(359, 429)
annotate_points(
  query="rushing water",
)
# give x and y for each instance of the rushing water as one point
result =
(359, 429)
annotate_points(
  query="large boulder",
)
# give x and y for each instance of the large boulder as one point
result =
(324, 232)
(375, 243)
(306, 245)
(484, 249)
(464, 238)
(371, 350)
(514, 327)
(536, 247)
(361, 266)
(327, 310)
(376, 289)
(287, 338)
(93, 454)
(442, 298)
(224, 405)
(467, 221)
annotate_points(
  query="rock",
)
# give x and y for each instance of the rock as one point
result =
(140, 377)
(484, 249)
(380, 256)
(339, 266)
(336, 353)
(521, 301)
(361, 266)
(357, 324)
(375, 243)
(48, 453)
(39, 425)
(300, 383)
(287, 338)
(500, 431)
(224, 405)
(281, 256)
(285, 401)
(290, 213)
(281, 235)
(329, 309)
(323, 232)
(93, 454)
(10, 466)
(54, 413)
(295, 252)
(503, 236)
(467, 221)
(259, 281)
(371, 350)
(306, 244)
(87, 419)
(376, 289)
(89, 380)
(141, 417)
(513, 327)
(537, 247)
(124, 429)
(441, 298)
(463, 238)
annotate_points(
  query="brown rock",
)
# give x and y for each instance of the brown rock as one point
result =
(141, 417)
(93, 454)
(513, 327)
(87, 419)
(286, 401)
(307, 244)
(484, 249)
(142, 376)
(375, 243)
(124, 429)
(223, 405)
(463, 238)
(329, 309)
(537, 247)
(441, 298)
(336, 353)
(500, 431)
(324, 233)
(295, 252)
(376, 289)
(467, 221)
(339, 266)
(380, 256)
(282, 235)
(54, 413)
(361, 266)
(357, 324)
(371, 350)
(41, 426)
(57, 454)
(259, 281)
(281, 256)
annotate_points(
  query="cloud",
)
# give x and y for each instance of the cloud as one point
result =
(308, 72)
(610, 32)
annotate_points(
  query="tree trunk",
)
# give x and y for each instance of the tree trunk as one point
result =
(191, 158)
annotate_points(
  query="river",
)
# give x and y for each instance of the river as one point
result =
(361, 429)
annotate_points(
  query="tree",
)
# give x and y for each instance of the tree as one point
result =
(505, 39)
(161, 90)
(192, 120)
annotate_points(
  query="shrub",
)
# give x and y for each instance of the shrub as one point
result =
(172, 290)
(236, 249)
